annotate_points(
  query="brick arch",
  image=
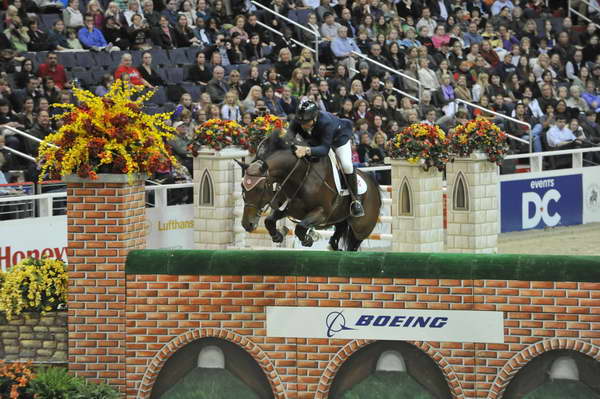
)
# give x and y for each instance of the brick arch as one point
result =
(353, 346)
(180, 341)
(518, 361)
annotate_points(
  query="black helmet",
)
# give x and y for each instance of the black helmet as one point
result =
(307, 111)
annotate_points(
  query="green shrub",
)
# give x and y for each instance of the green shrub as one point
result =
(89, 390)
(53, 383)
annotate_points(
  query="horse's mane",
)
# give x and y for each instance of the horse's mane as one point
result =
(279, 140)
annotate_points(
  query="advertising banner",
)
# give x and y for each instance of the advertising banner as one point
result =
(541, 202)
(387, 324)
(591, 194)
(170, 228)
(33, 237)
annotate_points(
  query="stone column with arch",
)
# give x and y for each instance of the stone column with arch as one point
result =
(472, 205)
(218, 203)
(417, 208)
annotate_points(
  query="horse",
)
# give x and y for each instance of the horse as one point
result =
(303, 190)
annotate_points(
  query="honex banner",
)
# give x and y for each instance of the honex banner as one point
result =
(385, 324)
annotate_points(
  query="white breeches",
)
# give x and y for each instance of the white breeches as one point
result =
(344, 155)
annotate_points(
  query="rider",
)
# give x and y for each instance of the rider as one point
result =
(324, 130)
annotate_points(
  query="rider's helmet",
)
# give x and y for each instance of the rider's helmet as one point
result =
(307, 111)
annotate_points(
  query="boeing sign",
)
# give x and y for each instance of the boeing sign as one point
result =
(388, 324)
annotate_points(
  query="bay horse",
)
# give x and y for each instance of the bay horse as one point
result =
(305, 191)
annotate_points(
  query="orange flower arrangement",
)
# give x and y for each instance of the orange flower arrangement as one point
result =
(109, 134)
(219, 134)
(479, 135)
(14, 378)
(261, 127)
(421, 141)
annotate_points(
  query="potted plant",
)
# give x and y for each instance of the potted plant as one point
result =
(218, 134)
(479, 136)
(261, 127)
(421, 143)
(110, 134)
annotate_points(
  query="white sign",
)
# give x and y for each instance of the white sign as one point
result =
(32, 237)
(388, 324)
(170, 228)
(591, 194)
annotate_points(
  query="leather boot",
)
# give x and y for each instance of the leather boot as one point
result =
(356, 208)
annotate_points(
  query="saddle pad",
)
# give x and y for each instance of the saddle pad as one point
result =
(342, 190)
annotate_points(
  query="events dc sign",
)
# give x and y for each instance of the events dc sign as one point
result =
(542, 202)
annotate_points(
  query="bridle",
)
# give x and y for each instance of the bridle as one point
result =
(268, 181)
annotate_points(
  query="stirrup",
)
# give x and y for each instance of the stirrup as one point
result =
(356, 209)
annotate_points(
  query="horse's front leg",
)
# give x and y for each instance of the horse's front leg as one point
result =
(271, 224)
(314, 218)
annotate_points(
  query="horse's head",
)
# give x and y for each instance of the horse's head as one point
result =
(256, 191)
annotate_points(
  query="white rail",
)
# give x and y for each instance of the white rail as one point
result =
(282, 35)
(19, 153)
(536, 158)
(29, 136)
(387, 68)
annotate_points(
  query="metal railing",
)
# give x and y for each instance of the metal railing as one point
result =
(530, 142)
(387, 68)
(572, 10)
(536, 158)
(275, 31)
(316, 34)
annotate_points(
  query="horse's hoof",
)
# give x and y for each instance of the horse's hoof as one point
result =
(307, 243)
(277, 238)
(333, 246)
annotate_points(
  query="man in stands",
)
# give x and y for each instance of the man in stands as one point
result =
(54, 70)
(343, 46)
(217, 87)
(40, 129)
(32, 89)
(92, 37)
(134, 74)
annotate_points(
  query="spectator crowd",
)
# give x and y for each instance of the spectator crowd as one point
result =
(233, 60)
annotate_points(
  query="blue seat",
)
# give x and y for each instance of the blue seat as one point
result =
(116, 57)
(159, 97)
(244, 71)
(40, 57)
(174, 75)
(104, 59)
(178, 56)
(159, 57)
(136, 57)
(67, 59)
(85, 59)
(84, 77)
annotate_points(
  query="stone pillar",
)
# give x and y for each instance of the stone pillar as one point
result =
(215, 178)
(417, 208)
(105, 219)
(472, 205)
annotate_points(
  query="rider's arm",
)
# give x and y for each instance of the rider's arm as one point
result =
(322, 149)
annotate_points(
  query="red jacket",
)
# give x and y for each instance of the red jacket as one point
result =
(58, 74)
(134, 74)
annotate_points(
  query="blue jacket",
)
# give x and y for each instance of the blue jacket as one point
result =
(329, 131)
(91, 39)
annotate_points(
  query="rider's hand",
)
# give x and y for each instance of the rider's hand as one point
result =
(301, 151)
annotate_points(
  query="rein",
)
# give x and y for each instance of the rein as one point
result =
(280, 187)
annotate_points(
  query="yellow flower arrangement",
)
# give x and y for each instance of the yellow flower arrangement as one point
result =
(218, 134)
(479, 135)
(33, 285)
(261, 127)
(109, 134)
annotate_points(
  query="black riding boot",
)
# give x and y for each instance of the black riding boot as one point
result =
(356, 208)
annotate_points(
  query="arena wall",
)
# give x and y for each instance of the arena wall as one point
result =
(175, 297)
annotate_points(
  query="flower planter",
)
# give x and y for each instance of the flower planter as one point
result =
(416, 208)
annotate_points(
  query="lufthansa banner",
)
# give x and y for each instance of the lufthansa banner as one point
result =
(385, 324)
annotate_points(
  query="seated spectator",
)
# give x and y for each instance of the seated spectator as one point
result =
(51, 92)
(38, 39)
(238, 27)
(249, 103)
(231, 107)
(199, 73)
(73, 42)
(32, 89)
(427, 77)
(298, 83)
(92, 38)
(94, 9)
(235, 51)
(27, 115)
(255, 50)
(104, 87)
(51, 68)
(40, 129)
(148, 73)
(343, 47)
(58, 36)
(170, 12)
(139, 33)
(17, 34)
(72, 16)
(288, 102)
(163, 35)
(184, 36)
(234, 82)
(560, 137)
(186, 8)
(133, 8)
(116, 33)
(217, 87)
(133, 73)
(591, 128)
(26, 72)
(150, 15)
(179, 143)
(284, 65)
(113, 10)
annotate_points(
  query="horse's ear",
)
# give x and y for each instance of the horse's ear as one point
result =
(243, 165)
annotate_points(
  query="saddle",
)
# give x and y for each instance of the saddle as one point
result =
(340, 181)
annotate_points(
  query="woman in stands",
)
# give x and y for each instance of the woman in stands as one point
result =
(17, 34)
(27, 71)
(230, 110)
(199, 73)
(114, 11)
(148, 73)
(139, 33)
(297, 83)
(235, 53)
(94, 9)
(249, 103)
(284, 65)
(238, 27)
(164, 35)
(273, 79)
(184, 36)
(58, 36)
(27, 116)
(234, 82)
(253, 80)
(187, 9)
(72, 15)
(116, 33)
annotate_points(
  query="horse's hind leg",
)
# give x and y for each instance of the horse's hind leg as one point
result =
(353, 243)
(340, 229)
(313, 218)
(271, 225)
